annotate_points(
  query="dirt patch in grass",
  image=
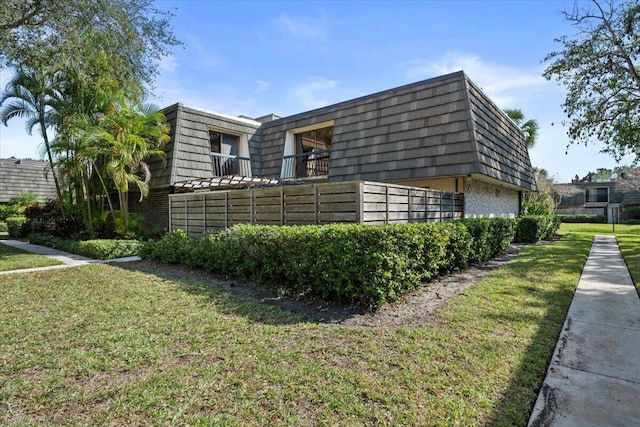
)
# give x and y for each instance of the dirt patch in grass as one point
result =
(413, 310)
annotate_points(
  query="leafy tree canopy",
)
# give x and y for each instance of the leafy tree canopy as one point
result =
(599, 68)
(133, 34)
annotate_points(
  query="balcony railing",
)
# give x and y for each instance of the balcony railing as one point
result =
(305, 165)
(224, 165)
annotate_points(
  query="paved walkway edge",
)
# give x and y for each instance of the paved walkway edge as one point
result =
(594, 378)
(68, 260)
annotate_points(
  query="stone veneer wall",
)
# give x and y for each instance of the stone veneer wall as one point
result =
(483, 200)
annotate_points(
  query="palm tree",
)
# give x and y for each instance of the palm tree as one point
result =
(529, 128)
(134, 133)
(78, 146)
(32, 94)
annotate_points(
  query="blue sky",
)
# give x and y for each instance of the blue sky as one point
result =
(254, 58)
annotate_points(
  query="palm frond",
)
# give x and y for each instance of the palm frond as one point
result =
(15, 109)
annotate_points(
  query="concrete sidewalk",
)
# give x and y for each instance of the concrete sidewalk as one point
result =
(67, 259)
(594, 376)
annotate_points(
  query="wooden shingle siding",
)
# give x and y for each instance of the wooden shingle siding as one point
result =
(25, 176)
(501, 149)
(436, 128)
(161, 166)
(188, 155)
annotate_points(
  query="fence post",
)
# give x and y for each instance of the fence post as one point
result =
(440, 204)
(204, 213)
(409, 205)
(226, 210)
(386, 194)
(170, 219)
(452, 207)
(281, 205)
(252, 207)
(315, 203)
(186, 216)
(359, 202)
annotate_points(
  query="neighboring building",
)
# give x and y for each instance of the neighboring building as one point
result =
(594, 198)
(19, 176)
(443, 133)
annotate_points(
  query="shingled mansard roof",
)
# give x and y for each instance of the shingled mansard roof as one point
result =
(25, 176)
(440, 127)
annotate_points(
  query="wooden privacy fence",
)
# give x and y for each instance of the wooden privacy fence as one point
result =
(347, 202)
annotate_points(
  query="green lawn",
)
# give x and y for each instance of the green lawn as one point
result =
(620, 229)
(628, 237)
(15, 259)
(100, 344)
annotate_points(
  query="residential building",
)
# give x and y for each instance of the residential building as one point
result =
(19, 176)
(443, 133)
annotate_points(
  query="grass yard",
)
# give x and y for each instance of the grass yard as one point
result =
(100, 344)
(628, 237)
(15, 259)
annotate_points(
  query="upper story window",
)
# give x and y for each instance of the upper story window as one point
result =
(596, 195)
(314, 140)
(224, 143)
(306, 151)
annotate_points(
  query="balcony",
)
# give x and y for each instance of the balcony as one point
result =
(306, 165)
(225, 165)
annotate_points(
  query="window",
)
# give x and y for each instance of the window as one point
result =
(306, 151)
(224, 143)
(596, 195)
(314, 140)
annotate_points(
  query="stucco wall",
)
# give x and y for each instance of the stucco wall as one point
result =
(483, 200)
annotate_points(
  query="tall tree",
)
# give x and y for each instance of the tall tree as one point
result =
(133, 34)
(133, 134)
(32, 94)
(599, 68)
(529, 127)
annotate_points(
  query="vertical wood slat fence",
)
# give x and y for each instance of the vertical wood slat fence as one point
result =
(349, 202)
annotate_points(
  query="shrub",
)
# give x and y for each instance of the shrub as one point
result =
(364, 264)
(3, 227)
(479, 230)
(632, 213)
(532, 229)
(459, 246)
(490, 237)
(18, 227)
(173, 248)
(6, 211)
(49, 219)
(502, 232)
(585, 218)
(97, 249)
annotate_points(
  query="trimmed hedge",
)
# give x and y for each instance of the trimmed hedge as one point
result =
(97, 249)
(490, 237)
(532, 229)
(18, 227)
(585, 218)
(355, 263)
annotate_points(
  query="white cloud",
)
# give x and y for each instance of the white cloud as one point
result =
(312, 94)
(303, 27)
(506, 85)
(200, 55)
(168, 63)
(262, 86)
